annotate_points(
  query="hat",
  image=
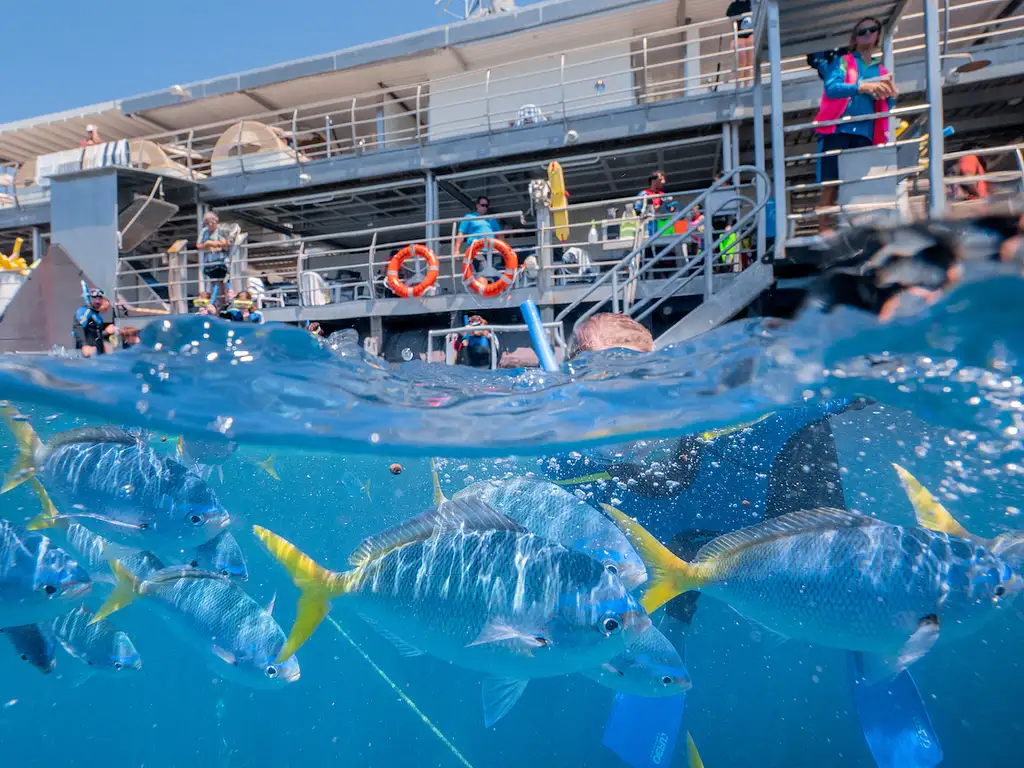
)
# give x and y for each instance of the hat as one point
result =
(90, 128)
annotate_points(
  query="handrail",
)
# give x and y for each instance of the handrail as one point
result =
(556, 327)
(624, 263)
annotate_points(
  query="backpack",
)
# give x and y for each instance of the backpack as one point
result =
(822, 60)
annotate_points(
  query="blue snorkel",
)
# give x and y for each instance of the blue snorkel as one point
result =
(541, 345)
(85, 295)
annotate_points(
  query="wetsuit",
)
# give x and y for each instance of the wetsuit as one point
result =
(235, 315)
(88, 330)
(689, 490)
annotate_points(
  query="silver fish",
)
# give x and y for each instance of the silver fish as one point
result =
(651, 667)
(38, 580)
(470, 586)
(114, 484)
(240, 640)
(552, 512)
(98, 644)
(34, 643)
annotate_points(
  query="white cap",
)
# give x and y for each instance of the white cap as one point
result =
(90, 128)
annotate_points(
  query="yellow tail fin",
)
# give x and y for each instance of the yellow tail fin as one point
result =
(439, 497)
(316, 584)
(49, 517)
(28, 442)
(930, 513)
(692, 753)
(267, 465)
(667, 575)
(125, 590)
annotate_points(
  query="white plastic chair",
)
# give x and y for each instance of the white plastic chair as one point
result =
(313, 291)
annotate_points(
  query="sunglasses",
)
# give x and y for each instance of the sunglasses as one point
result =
(865, 31)
(484, 205)
(242, 303)
(200, 302)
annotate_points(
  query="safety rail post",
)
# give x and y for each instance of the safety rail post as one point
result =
(709, 275)
(327, 135)
(778, 136)
(615, 289)
(188, 155)
(14, 185)
(371, 258)
(647, 85)
(295, 140)
(352, 123)
(419, 118)
(933, 89)
(561, 86)
(238, 149)
(487, 100)
(759, 156)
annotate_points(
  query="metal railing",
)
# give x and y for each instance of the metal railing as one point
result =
(555, 330)
(627, 271)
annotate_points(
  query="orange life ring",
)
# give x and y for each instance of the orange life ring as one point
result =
(484, 287)
(399, 288)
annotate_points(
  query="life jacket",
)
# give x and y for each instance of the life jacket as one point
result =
(833, 109)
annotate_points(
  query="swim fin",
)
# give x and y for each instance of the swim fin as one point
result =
(643, 732)
(894, 719)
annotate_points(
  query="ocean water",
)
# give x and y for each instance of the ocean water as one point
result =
(945, 395)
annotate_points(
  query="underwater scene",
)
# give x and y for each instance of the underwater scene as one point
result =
(782, 543)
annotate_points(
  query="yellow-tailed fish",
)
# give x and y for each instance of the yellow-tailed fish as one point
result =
(935, 517)
(470, 586)
(843, 580)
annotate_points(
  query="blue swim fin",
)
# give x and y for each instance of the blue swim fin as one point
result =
(894, 719)
(644, 732)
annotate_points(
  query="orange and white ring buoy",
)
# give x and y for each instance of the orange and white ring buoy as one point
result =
(484, 287)
(399, 288)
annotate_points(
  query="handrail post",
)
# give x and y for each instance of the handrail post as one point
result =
(933, 90)
(188, 155)
(295, 133)
(14, 189)
(238, 149)
(561, 85)
(352, 122)
(615, 290)
(419, 117)
(709, 235)
(371, 259)
(487, 99)
(327, 134)
(544, 261)
(647, 85)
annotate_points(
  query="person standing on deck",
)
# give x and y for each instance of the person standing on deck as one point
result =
(856, 85)
(476, 225)
(92, 137)
(215, 242)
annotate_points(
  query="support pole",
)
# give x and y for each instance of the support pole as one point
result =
(936, 141)
(778, 137)
(759, 158)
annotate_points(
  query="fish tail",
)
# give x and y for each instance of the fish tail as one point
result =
(126, 589)
(692, 753)
(667, 575)
(439, 497)
(267, 465)
(930, 513)
(28, 442)
(180, 445)
(48, 517)
(316, 584)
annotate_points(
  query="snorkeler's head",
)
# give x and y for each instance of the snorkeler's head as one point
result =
(610, 331)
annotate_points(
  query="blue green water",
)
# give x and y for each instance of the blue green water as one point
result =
(335, 420)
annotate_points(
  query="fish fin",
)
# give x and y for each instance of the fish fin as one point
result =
(34, 643)
(49, 517)
(692, 754)
(439, 497)
(366, 489)
(180, 446)
(878, 668)
(520, 639)
(267, 465)
(225, 655)
(712, 434)
(790, 524)
(28, 443)
(668, 575)
(405, 649)
(929, 512)
(500, 695)
(316, 584)
(126, 589)
(270, 606)
(223, 555)
(609, 667)
(105, 434)
(460, 514)
(220, 474)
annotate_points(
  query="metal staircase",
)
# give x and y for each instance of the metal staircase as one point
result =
(620, 282)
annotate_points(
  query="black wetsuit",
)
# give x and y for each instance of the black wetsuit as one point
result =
(89, 326)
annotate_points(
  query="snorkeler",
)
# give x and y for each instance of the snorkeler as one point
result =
(91, 330)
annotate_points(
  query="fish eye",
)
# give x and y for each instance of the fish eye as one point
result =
(612, 569)
(224, 572)
(50, 589)
(117, 665)
(143, 526)
(194, 564)
(195, 518)
(610, 624)
(666, 680)
(271, 671)
(1000, 590)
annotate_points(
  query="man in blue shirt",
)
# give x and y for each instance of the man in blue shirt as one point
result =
(476, 226)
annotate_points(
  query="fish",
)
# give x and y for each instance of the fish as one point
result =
(932, 515)
(651, 667)
(111, 482)
(34, 643)
(214, 454)
(556, 514)
(839, 579)
(222, 554)
(98, 644)
(38, 580)
(470, 586)
(239, 639)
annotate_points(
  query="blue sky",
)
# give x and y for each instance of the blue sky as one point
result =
(61, 54)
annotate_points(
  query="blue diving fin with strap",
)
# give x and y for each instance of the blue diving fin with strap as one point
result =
(894, 719)
(642, 731)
